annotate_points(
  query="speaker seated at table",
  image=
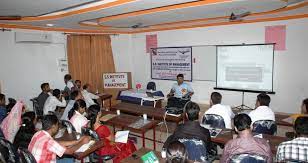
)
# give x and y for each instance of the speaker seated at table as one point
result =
(264, 127)
(67, 124)
(151, 86)
(215, 121)
(25, 156)
(248, 158)
(7, 151)
(196, 149)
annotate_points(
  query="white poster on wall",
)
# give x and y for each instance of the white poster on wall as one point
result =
(115, 80)
(167, 63)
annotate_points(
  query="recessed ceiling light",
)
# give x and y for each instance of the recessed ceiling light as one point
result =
(49, 25)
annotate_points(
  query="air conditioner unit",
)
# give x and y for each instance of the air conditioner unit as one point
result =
(21, 37)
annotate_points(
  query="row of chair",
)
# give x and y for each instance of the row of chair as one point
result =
(262, 126)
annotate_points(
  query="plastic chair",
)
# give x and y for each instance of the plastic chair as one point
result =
(89, 132)
(248, 158)
(25, 156)
(68, 124)
(196, 149)
(215, 121)
(151, 86)
(8, 152)
(264, 127)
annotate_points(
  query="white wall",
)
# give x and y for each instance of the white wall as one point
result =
(290, 75)
(24, 66)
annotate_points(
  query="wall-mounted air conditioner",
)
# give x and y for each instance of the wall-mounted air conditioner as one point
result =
(21, 37)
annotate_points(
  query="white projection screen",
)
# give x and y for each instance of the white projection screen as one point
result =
(245, 67)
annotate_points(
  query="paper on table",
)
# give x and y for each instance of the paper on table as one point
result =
(258, 136)
(121, 136)
(86, 146)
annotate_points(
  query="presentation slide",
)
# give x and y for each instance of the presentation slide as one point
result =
(245, 67)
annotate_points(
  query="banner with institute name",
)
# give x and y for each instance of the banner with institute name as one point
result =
(167, 63)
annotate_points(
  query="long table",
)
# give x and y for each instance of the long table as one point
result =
(226, 135)
(124, 121)
(156, 113)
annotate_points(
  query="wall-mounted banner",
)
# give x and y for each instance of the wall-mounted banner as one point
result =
(167, 62)
(115, 80)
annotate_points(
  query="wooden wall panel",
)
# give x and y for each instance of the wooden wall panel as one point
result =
(88, 57)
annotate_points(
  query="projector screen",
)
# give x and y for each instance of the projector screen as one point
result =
(245, 67)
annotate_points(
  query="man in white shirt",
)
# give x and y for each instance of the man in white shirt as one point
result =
(75, 95)
(223, 110)
(53, 101)
(88, 96)
(262, 111)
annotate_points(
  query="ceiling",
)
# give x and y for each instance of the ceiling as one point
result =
(135, 16)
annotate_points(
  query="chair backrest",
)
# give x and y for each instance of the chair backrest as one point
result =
(264, 127)
(36, 107)
(8, 151)
(89, 132)
(248, 158)
(151, 86)
(196, 149)
(25, 156)
(68, 124)
(214, 120)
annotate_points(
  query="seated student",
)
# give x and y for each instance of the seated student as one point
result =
(3, 111)
(304, 110)
(216, 108)
(176, 153)
(191, 129)
(45, 149)
(76, 115)
(88, 96)
(75, 95)
(178, 91)
(245, 142)
(42, 97)
(53, 101)
(26, 130)
(78, 86)
(262, 111)
(120, 150)
(296, 149)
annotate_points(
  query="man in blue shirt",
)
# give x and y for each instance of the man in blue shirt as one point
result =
(179, 93)
(3, 111)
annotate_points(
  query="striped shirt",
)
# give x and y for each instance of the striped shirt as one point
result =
(44, 148)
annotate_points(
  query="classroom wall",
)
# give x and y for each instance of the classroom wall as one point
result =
(290, 77)
(24, 66)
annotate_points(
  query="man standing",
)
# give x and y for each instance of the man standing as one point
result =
(180, 93)
(45, 149)
(245, 142)
(42, 97)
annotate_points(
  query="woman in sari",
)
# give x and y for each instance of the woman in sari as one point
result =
(120, 150)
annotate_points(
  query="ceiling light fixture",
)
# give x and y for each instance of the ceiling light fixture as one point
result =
(49, 25)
